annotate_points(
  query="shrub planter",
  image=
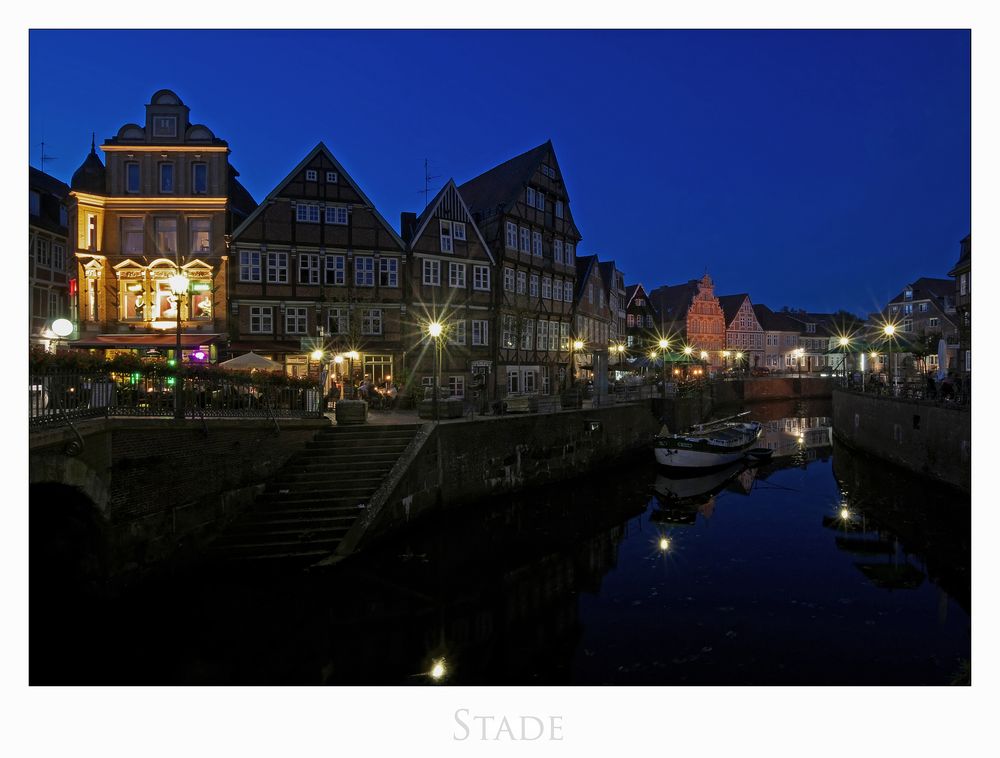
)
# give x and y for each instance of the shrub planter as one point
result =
(351, 412)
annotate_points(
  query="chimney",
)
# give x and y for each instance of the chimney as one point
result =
(407, 225)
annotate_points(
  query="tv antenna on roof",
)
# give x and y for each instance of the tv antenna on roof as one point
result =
(426, 191)
(45, 157)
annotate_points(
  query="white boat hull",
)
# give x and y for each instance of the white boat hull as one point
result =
(696, 458)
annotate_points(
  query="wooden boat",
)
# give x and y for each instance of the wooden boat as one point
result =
(707, 445)
(760, 453)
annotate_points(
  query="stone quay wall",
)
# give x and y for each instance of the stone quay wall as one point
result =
(770, 388)
(934, 441)
(454, 464)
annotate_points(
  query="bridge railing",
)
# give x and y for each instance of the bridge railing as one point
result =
(54, 396)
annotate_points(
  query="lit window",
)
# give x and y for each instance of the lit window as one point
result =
(201, 299)
(388, 272)
(199, 178)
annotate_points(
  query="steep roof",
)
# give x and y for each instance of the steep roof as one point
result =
(43, 182)
(51, 196)
(90, 177)
(673, 301)
(927, 288)
(450, 192)
(964, 256)
(608, 273)
(502, 185)
(584, 265)
(241, 202)
(775, 322)
(320, 148)
(731, 305)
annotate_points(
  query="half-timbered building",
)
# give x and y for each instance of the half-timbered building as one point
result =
(450, 279)
(744, 334)
(592, 317)
(49, 269)
(317, 267)
(523, 210)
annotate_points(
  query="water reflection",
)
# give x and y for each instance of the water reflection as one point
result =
(799, 570)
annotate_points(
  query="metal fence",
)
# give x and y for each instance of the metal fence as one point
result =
(56, 396)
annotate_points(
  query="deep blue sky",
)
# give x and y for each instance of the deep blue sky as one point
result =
(812, 169)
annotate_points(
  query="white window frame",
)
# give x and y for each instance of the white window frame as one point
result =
(432, 272)
(480, 332)
(546, 288)
(567, 291)
(540, 200)
(456, 274)
(456, 334)
(364, 271)
(250, 265)
(533, 286)
(530, 196)
(388, 272)
(522, 282)
(557, 251)
(536, 244)
(445, 236)
(371, 321)
(525, 240)
(508, 279)
(331, 177)
(456, 386)
(481, 278)
(511, 235)
(507, 332)
(569, 252)
(297, 320)
(308, 268)
(543, 335)
(338, 320)
(335, 215)
(458, 230)
(559, 208)
(264, 314)
(277, 268)
(311, 175)
(335, 270)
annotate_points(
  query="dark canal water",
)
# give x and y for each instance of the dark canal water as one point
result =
(816, 568)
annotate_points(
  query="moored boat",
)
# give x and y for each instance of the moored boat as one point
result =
(707, 445)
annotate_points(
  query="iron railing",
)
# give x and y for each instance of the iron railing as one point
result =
(56, 396)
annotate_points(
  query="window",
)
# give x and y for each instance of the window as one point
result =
(908, 295)
(543, 335)
(132, 299)
(200, 306)
(531, 197)
(199, 178)
(512, 380)
(908, 308)
(569, 254)
(307, 213)
(557, 251)
(480, 277)
(528, 334)
(456, 334)
(540, 201)
(249, 265)
(933, 321)
(511, 236)
(331, 177)
(308, 268)
(458, 230)
(567, 291)
(432, 273)
(337, 321)
(559, 209)
(166, 177)
(508, 279)
(34, 204)
(536, 244)
(522, 282)
(261, 319)
(480, 332)
(924, 307)
(58, 257)
(554, 328)
(534, 285)
(963, 284)
(310, 175)
(525, 240)
(456, 386)
(548, 171)
(445, 236)
(200, 230)
(364, 271)
(55, 303)
(164, 126)
(132, 177)
(132, 236)
(371, 321)
(456, 275)
(968, 360)
(166, 236)
(295, 321)
(388, 272)
(336, 214)
(277, 268)
(334, 270)
(92, 231)
(649, 321)
(630, 321)
(507, 332)
(546, 288)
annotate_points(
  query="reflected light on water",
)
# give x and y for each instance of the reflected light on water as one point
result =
(664, 544)
(438, 670)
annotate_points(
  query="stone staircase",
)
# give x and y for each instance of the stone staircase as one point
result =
(312, 502)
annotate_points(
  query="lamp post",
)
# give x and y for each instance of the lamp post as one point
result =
(889, 330)
(799, 352)
(434, 330)
(739, 362)
(178, 286)
(338, 362)
(725, 360)
(874, 356)
(352, 356)
(844, 343)
(664, 346)
(688, 350)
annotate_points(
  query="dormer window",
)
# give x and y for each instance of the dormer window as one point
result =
(811, 328)
(908, 295)
(311, 175)
(331, 177)
(164, 126)
(446, 246)
(34, 204)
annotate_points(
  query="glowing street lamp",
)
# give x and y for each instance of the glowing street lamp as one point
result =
(844, 342)
(664, 346)
(889, 331)
(178, 284)
(435, 329)
(798, 353)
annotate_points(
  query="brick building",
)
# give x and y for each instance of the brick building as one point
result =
(592, 317)
(49, 268)
(163, 204)
(691, 316)
(781, 338)
(316, 266)
(522, 208)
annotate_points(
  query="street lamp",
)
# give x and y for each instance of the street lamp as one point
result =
(338, 361)
(739, 362)
(178, 286)
(664, 346)
(799, 352)
(434, 330)
(844, 344)
(889, 331)
(725, 359)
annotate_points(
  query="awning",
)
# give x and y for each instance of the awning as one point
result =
(276, 346)
(133, 341)
(251, 361)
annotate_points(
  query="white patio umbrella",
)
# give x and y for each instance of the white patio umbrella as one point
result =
(249, 361)
(942, 371)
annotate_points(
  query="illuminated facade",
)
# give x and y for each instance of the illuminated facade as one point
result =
(522, 208)
(744, 333)
(451, 279)
(691, 312)
(163, 203)
(317, 267)
(592, 315)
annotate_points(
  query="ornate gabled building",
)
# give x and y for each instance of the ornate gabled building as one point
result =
(962, 274)
(691, 312)
(744, 333)
(163, 204)
(522, 208)
(50, 271)
(450, 279)
(642, 321)
(316, 266)
(614, 279)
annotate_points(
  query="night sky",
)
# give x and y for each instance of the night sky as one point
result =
(820, 170)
